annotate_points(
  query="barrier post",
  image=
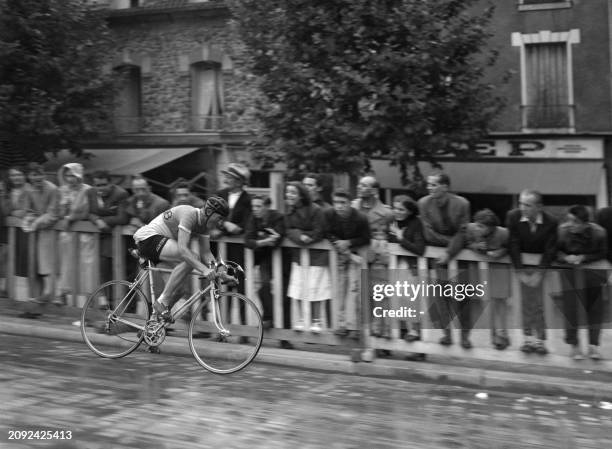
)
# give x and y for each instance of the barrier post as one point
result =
(32, 264)
(277, 287)
(12, 254)
(119, 252)
(336, 289)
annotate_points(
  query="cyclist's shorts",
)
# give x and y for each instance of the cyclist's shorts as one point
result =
(152, 247)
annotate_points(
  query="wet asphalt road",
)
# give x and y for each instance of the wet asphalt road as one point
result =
(163, 401)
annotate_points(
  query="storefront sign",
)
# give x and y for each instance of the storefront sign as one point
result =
(525, 147)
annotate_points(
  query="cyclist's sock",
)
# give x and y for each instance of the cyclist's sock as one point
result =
(162, 300)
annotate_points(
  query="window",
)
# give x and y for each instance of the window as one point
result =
(207, 96)
(547, 104)
(547, 98)
(128, 101)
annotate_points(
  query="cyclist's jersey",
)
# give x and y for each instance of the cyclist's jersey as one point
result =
(168, 223)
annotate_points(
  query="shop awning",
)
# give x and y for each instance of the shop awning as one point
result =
(122, 161)
(550, 178)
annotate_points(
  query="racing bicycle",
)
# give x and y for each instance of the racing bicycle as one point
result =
(225, 331)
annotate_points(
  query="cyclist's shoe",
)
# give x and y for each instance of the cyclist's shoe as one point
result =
(163, 311)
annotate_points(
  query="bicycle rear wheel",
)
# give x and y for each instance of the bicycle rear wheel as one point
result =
(113, 318)
(233, 342)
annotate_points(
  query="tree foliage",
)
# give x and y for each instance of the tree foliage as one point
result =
(350, 79)
(52, 89)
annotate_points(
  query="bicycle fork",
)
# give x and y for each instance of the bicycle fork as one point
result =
(216, 313)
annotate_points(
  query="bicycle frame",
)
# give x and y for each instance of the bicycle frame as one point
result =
(147, 272)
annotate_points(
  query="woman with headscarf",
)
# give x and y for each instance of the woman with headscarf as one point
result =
(305, 224)
(72, 206)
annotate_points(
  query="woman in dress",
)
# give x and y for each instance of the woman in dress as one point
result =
(72, 206)
(305, 224)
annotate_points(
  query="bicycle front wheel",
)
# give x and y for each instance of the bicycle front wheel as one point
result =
(230, 342)
(113, 319)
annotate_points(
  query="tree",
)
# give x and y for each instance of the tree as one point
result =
(52, 88)
(347, 80)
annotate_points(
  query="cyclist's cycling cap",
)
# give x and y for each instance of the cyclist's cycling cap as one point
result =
(216, 205)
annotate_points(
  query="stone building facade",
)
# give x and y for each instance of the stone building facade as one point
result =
(186, 101)
(162, 44)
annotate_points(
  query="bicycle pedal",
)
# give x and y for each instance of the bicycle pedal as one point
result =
(154, 350)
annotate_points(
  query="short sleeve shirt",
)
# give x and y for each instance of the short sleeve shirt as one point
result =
(168, 223)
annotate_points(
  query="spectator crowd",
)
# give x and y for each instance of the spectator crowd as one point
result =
(359, 229)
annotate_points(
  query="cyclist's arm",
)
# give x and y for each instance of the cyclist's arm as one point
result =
(184, 237)
(207, 255)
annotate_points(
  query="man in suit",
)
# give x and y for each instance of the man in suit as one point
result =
(143, 206)
(107, 209)
(265, 229)
(235, 177)
(532, 231)
(443, 214)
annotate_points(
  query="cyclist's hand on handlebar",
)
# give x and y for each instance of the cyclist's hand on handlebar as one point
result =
(227, 279)
(209, 275)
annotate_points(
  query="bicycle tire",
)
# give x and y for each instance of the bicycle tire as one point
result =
(102, 327)
(235, 351)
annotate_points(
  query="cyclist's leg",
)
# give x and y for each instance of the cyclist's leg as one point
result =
(170, 253)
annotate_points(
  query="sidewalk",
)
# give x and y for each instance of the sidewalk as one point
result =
(590, 380)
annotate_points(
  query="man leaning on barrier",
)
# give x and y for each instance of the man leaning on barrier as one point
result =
(532, 231)
(348, 230)
(167, 238)
(443, 213)
(42, 197)
(265, 230)
(143, 206)
(579, 243)
(107, 209)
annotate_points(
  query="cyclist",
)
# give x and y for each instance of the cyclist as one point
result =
(166, 238)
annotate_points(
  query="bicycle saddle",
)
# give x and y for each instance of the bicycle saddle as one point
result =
(142, 261)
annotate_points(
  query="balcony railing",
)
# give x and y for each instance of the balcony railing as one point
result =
(207, 122)
(127, 124)
(548, 116)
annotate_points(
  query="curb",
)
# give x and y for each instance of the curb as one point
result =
(491, 380)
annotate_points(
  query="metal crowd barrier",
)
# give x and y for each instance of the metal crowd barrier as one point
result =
(367, 344)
